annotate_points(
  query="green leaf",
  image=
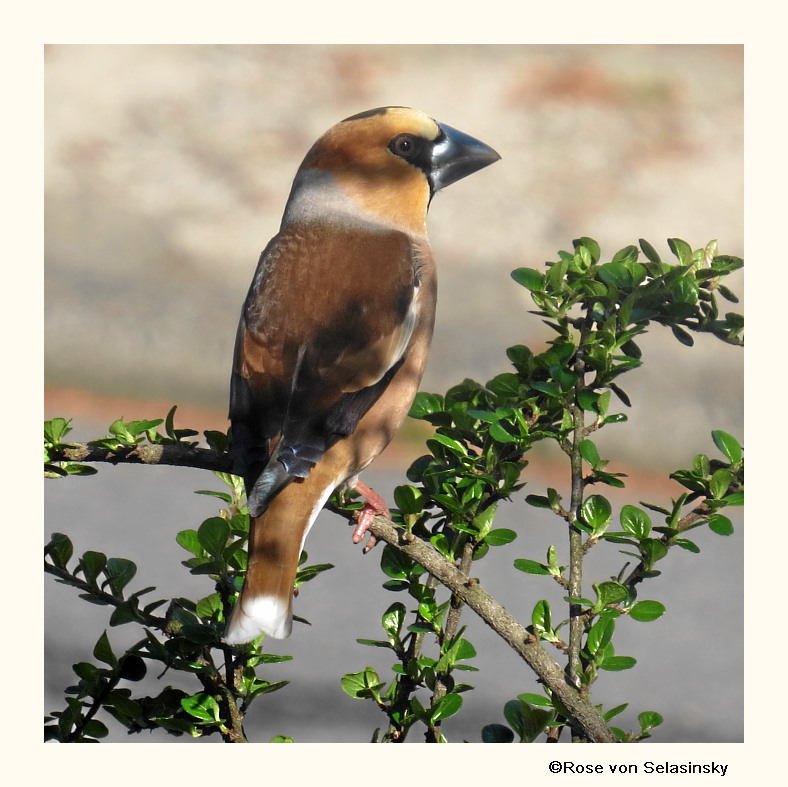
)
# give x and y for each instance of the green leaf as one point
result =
(500, 536)
(529, 278)
(409, 499)
(720, 525)
(92, 564)
(282, 739)
(393, 618)
(652, 549)
(497, 733)
(119, 572)
(60, 549)
(103, 651)
(308, 573)
(201, 706)
(538, 501)
(626, 256)
(132, 668)
(223, 496)
(513, 713)
(685, 543)
(484, 519)
(124, 613)
(720, 481)
(213, 534)
(95, 729)
(426, 404)
(618, 663)
(499, 434)
(609, 593)
(596, 511)
(55, 430)
(682, 335)
(649, 719)
(395, 564)
(209, 607)
(613, 712)
(635, 521)
(681, 249)
(446, 706)
(590, 244)
(530, 566)
(374, 643)
(685, 291)
(190, 541)
(361, 685)
(600, 634)
(729, 446)
(616, 274)
(589, 452)
(646, 611)
(536, 699)
(453, 445)
(540, 617)
(649, 250)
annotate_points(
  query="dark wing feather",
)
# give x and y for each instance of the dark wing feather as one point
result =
(323, 329)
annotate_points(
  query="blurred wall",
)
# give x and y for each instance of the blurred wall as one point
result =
(167, 168)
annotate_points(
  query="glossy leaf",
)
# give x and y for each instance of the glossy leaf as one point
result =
(596, 511)
(721, 525)
(393, 618)
(530, 566)
(618, 663)
(500, 536)
(600, 634)
(589, 452)
(445, 707)
(635, 521)
(213, 534)
(729, 446)
(497, 733)
(202, 706)
(426, 404)
(529, 278)
(646, 611)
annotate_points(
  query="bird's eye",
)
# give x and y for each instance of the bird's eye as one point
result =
(404, 145)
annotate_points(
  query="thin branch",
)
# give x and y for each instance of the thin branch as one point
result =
(175, 454)
(515, 635)
(449, 632)
(65, 576)
(576, 551)
(494, 615)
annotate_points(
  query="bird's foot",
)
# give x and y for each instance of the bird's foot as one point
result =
(374, 505)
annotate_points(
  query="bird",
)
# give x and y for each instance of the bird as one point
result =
(333, 337)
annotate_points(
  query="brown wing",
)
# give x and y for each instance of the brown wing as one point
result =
(323, 329)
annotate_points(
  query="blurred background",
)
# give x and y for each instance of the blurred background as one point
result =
(167, 169)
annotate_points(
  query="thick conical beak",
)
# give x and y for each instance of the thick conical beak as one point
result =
(456, 155)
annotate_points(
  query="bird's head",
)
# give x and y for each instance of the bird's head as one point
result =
(383, 165)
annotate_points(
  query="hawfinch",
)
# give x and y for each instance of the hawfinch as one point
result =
(334, 335)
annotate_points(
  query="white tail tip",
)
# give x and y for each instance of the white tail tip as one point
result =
(255, 616)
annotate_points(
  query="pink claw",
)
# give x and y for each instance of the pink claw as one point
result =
(373, 506)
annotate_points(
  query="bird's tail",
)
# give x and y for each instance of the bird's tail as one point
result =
(275, 542)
